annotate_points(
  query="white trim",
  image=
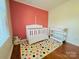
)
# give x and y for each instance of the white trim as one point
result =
(20, 1)
(73, 43)
(9, 57)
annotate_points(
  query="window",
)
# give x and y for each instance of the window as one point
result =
(4, 33)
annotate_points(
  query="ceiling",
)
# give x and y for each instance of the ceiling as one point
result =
(43, 4)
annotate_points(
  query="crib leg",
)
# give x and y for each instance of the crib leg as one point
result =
(64, 41)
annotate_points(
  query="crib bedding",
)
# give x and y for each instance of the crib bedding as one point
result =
(38, 50)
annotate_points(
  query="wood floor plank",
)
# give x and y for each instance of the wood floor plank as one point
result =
(16, 52)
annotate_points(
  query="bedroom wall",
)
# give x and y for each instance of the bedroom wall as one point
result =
(51, 18)
(67, 16)
(22, 15)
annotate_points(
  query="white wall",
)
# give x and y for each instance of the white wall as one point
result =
(6, 49)
(51, 17)
(67, 16)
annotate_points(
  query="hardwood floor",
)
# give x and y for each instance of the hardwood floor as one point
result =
(66, 51)
(16, 52)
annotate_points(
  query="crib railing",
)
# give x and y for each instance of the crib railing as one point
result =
(36, 34)
(59, 34)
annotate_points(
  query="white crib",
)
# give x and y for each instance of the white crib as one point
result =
(36, 33)
(59, 34)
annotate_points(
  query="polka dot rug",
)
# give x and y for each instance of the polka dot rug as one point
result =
(38, 50)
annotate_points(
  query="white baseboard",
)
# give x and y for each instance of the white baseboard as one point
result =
(73, 43)
(10, 52)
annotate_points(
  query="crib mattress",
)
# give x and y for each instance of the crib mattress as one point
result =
(38, 50)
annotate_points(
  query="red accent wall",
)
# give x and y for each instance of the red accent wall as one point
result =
(22, 15)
